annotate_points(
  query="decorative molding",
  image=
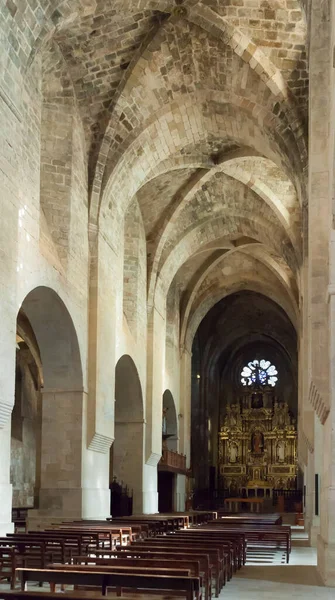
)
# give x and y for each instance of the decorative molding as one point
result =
(153, 459)
(5, 413)
(318, 403)
(100, 443)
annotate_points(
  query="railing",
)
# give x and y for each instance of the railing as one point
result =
(208, 499)
(121, 499)
(173, 459)
(291, 499)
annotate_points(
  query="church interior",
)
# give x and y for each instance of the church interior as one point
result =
(167, 273)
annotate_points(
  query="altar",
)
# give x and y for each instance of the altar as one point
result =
(257, 444)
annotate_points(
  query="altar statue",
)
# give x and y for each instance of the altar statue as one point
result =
(257, 442)
(281, 451)
(233, 452)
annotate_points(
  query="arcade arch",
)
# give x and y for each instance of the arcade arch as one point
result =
(128, 447)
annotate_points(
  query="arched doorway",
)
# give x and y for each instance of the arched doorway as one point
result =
(60, 374)
(127, 450)
(169, 421)
(167, 479)
(25, 467)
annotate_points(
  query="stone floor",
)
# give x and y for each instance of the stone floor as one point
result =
(266, 575)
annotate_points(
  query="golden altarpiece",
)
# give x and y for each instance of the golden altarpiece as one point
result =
(258, 439)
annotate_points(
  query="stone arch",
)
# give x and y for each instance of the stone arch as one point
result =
(25, 468)
(170, 414)
(63, 162)
(128, 448)
(62, 404)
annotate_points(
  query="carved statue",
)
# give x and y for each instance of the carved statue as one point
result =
(257, 442)
(257, 400)
(258, 445)
(281, 417)
(280, 451)
(233, 452)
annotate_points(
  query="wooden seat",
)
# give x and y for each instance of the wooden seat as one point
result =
(205, 567)
(188, 587)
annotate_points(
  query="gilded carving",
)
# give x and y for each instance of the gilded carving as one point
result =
(257, 442)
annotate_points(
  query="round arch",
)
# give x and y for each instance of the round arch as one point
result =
(61, 441)
(170, 420)
(128, 447)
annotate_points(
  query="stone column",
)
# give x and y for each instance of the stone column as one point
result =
(6, 525)
(185, 405)
(154, 404)
(60, 495)
(179, 493)
(316, 469)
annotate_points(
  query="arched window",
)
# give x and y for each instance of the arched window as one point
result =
(259, 372)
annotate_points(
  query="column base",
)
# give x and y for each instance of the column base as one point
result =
(326, 561)
(180, 493)
(96, 503)
(150, 503)
(313, 535)
(6, 526)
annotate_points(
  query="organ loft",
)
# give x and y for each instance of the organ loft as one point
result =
(258, 437)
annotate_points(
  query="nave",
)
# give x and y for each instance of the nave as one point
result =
(167, 277)
(192, 555)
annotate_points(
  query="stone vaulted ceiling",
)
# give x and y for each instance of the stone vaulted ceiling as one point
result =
(197, 111)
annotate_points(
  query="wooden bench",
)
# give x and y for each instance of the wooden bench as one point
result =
(192, 566)
(148, 555)
(62, 547)
(35, 595)
(121, 535)
(9, 561)
(237, 540)
(215, 556)
(274, 537)
(188, 587)
(32, 553)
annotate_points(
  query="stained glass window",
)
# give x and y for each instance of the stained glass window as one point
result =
(259, 372)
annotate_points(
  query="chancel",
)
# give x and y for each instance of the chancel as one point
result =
(258, 436)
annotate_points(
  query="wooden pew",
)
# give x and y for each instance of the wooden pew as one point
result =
(232, 547)
(192, 566)
(59, 546)
(266, 535)
(133, 552)
(9, 561)
(136, 530)
(122, 534)
(236, 540)
(32, 553)
(215, 556)
(188, 587)
(247, 519)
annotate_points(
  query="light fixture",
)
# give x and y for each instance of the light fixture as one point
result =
(198, 376)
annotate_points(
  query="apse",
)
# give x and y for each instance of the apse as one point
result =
(244, 398)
